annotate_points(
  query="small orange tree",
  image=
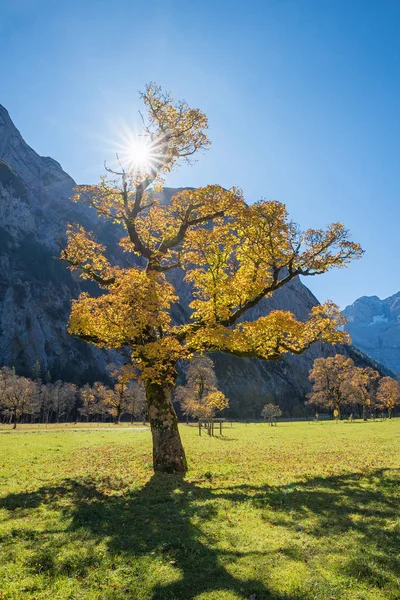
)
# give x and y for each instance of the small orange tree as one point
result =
(234, 255)
(388, 395)
(361, 387)
(331, 382)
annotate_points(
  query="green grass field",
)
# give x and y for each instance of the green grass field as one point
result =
(299, 511)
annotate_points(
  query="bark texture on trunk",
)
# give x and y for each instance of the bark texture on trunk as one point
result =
(168, 453)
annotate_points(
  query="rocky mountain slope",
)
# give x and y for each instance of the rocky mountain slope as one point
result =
(36, 289)
(374, 326)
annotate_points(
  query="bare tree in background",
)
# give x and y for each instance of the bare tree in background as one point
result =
(62, 396)
(271, 412)
(119, 400)
(16, 394)
(200, 397)
(136, 401)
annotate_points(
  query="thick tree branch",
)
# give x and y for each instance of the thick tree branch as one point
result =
(101, 280)
(276, 285)
(139, 247)
(163, 268)
(186, 223)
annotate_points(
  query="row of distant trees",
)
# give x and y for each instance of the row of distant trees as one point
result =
(28, 400)
(338, 385)
(32, 400)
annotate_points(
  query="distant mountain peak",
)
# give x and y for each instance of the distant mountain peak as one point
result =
(33, 169)
(4, 112)
(374, 326)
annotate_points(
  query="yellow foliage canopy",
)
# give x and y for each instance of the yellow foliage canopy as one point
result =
(233, 256)
(388, 395)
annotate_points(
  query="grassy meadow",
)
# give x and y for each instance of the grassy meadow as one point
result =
(304, 511)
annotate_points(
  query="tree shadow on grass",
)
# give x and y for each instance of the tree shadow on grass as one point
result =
(366, 506)
(156, 520)
(165, 517)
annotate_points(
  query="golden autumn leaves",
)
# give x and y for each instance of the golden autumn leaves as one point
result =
(233, 256)
(231, 261)
(338, 382)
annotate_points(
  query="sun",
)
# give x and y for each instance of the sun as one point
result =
(139, 154)
(136, 151)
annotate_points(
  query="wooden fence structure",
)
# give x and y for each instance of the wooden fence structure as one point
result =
(209, 424)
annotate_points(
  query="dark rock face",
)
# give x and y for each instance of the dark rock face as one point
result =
(36, 289)
(374, 325)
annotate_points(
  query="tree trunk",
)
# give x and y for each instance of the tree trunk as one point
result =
(168, 453)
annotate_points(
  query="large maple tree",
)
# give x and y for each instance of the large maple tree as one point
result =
(233, 254)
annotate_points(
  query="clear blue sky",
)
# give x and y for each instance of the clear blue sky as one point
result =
(303, 99)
